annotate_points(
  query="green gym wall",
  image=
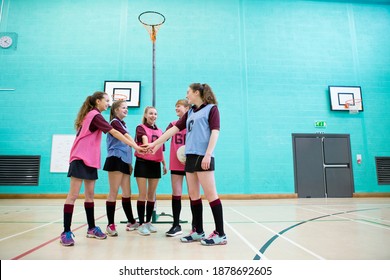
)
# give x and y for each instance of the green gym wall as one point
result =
(269, 63)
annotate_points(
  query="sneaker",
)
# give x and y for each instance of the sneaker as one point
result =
(143, 230)
(193, 236)
(66, 238)
(151, 227)
(97, 233)
(111, 230)
(214, 239)
(175, 230)
(131, 227)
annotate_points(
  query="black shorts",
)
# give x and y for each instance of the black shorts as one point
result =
(117, 164)
(178, 172)
(78, 169)
(147, 169)
(194, 164)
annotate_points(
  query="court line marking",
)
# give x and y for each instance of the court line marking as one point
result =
(254, 249)
(51, 240)
(32, 229)
(363, 216)
(276, 235)
(268, 243)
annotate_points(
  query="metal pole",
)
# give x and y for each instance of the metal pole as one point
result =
(154, 76)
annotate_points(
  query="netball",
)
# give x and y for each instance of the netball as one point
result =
(181, 154)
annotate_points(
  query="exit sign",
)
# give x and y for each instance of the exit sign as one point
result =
(320, 124)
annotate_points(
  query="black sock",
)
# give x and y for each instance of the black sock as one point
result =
(141, 211)
(110, 210)
(126, 204)
(149, 210)
(176, 209)
(192, 214)
(68, 213)
(216, 208)
(89, 210)
(198, 214)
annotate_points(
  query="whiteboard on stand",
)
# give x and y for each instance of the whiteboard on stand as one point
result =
(60, 152)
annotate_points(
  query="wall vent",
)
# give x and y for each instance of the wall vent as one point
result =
(19, 170)
(383, 170)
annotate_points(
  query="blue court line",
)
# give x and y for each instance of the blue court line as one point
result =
(272, 239)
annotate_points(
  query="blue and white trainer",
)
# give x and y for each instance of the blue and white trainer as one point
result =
(192, 237)
(214, 239)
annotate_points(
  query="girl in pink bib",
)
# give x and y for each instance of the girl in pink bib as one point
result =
(147, 170)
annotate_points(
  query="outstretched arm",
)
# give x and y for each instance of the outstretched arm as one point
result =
(162, 139)
(127, 139)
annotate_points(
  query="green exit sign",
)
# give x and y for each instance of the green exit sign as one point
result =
(320, 124)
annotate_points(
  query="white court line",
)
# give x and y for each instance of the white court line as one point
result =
(254, 249)
(45, 225)
(358, 212)
(344, 218)
(281, 236)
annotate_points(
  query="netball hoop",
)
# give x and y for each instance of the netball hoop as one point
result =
(353, 105)
(152, 21)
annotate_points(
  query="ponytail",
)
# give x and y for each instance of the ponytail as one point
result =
(206, 93)
(88, 105)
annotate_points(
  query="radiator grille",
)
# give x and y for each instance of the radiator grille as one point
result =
(383, 170)
(19, 170)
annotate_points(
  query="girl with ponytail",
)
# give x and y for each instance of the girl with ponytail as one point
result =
(202, 122)
(85, 161)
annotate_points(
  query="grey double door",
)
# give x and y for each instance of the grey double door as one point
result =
(322, 165)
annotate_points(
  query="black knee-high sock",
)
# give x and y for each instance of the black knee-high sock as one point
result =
(110, 210)
(192, 214)
(176, 209)
(89, 210)
(126, 204)
(149, 210)
(141, 211)
(216, 208)
(198, 214)
(68, 213)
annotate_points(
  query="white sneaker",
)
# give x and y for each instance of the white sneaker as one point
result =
(131, 227)
(143, 230)
(111, 230)
(151, 227)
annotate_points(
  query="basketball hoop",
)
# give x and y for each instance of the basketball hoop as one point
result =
(119, 96)
(353, 105)
(152, 21)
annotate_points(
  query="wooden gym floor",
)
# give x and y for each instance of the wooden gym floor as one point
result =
(261, 229)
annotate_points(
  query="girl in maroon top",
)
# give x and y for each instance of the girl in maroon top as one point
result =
(147, 170)
(80, 171)
(200, 167)
(177, 169)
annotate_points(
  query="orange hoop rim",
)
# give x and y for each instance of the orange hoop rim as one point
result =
(352, 102)
(124, 97)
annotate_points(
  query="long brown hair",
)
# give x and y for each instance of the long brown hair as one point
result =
(88, 105)
(115, 106)
(144, 121)
(206, 93)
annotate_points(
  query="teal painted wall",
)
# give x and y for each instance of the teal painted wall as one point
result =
(269, 63)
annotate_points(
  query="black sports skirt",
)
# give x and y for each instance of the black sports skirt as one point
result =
(78, 169)
(147, 169)
(178, 172)
(194, 164)
(117, 164)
